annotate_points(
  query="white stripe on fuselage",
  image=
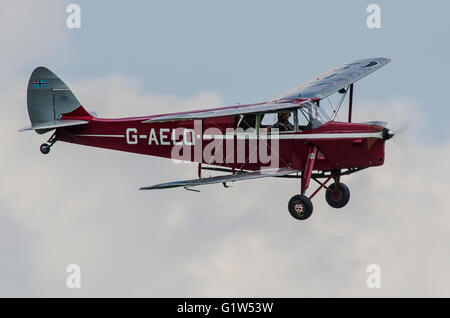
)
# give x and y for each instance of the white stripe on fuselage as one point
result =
(298, 136)
(111, 136)
(269, 136)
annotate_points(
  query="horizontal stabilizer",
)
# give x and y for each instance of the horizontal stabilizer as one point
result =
(237, 176)
(53, 124)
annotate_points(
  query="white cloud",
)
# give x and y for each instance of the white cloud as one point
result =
(117, 96)
(81, 205)
(32, 32)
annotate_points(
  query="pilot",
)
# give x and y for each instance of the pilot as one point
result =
(283, 123)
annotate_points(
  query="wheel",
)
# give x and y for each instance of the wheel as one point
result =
(300, 207)
(337, 198)
(45, 149)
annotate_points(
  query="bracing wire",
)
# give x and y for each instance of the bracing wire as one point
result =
(340, 104)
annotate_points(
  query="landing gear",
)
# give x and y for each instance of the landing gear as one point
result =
(337, 195)
(45, 147)
(300, 207)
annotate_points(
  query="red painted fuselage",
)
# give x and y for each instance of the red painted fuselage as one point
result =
(340, 145)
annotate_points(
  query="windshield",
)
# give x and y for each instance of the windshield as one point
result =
(311, 116)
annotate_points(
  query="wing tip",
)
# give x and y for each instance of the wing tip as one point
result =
(26, 128)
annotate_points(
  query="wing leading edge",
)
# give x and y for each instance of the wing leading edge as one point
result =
(227, 111)
(237, 176)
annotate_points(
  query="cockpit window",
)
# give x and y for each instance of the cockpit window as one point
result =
(311, 116)
(283, 120)
(308, 116)
(247, 121)
(271, 119)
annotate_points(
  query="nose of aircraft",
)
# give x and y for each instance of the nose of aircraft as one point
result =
(387, 133)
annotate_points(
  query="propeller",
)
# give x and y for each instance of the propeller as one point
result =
(401, 130)
(387, 133)
(400, 140)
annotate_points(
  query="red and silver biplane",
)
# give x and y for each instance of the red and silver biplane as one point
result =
(289, 136)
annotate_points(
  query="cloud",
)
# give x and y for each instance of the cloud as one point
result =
(81, 205)
(31, 33)
(68, 226)
(119, 96)
(15, 258)
(397, 218)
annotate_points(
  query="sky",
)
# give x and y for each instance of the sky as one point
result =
(80, 205)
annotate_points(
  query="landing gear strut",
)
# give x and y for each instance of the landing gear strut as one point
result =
(45, 147)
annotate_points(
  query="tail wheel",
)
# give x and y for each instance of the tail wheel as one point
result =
(45, 149)
(300, 207)
(337, 196)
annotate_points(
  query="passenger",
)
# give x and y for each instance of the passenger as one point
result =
(283, 123)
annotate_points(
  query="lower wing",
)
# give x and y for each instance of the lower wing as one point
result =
(237, 176)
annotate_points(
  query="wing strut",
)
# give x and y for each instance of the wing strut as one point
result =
(350, 104)
(307, 173)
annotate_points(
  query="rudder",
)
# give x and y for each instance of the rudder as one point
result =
(48, 97)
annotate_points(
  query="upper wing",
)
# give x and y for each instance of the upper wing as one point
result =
(320, 87)
(237, 176)
(332, 81)
(226, 111)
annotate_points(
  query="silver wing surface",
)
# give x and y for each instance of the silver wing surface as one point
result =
(334, 80)
(320, 87)
(237, 176)
(226, 111)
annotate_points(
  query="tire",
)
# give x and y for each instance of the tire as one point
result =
(45, 149)
(300, 207)
(337, 198)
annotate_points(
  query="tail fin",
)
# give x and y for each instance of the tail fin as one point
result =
(48, 98)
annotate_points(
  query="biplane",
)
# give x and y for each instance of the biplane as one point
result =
(289, 136)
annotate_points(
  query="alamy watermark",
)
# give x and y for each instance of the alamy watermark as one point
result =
(73, 280)
(73, 21)
(373, 20)
(374, 278)
(213, 145)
